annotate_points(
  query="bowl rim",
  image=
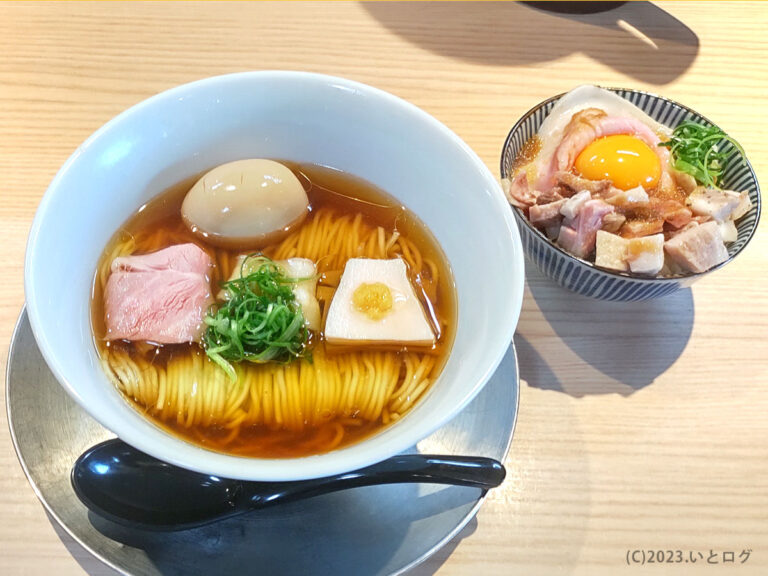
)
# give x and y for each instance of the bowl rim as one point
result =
(320, 464)
(520, 217)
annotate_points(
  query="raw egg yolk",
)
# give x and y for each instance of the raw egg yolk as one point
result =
(625, 160)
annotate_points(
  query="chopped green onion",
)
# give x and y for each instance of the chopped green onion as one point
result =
(697, 150)
(260, 322)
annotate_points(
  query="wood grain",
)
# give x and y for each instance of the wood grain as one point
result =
(641, 426)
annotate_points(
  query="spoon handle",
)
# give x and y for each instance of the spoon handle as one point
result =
(473, 471)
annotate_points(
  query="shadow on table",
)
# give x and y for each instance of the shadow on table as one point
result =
(87, 561)
(638, 39)
(436, 561)
(600, 347)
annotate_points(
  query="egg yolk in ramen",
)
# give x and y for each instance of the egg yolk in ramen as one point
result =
(625, 160)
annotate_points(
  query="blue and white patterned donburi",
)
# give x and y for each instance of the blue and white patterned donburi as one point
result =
(584, 277)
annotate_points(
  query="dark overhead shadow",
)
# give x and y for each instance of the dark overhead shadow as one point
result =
(601, 347)
(638, 39)
(578, 7)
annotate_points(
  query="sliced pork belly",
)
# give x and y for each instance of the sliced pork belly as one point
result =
(578, 184)
(517, 190)
(552, 195)
(613, 222)
(159, 297)
(579, 237)
(545, 215)
(698, 248)
(519, 193)
(673, 212)
(639, 227)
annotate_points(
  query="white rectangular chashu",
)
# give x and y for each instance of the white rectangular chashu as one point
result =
(303, 270)
(401, 320)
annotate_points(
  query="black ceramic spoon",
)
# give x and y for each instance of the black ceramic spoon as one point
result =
(131, 488)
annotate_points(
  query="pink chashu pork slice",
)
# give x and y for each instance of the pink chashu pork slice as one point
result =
(159, 297)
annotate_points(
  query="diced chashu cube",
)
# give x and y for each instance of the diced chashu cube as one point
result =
(643, 255)
(578, 236)
(646, 254)
(698, 248)
(627, 199)
(573, 205)
(611, 251)
(720, 205)
(405, 323)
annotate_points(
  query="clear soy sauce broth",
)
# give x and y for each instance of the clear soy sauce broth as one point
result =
(158, 224)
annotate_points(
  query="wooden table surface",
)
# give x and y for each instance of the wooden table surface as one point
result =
(641, 427)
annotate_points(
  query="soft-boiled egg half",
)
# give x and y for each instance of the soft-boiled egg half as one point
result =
(375, 303)
(245, 204)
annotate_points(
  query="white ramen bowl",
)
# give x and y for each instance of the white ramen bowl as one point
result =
(296, 116)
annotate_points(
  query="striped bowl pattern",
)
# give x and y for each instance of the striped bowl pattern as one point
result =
(584, 277)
